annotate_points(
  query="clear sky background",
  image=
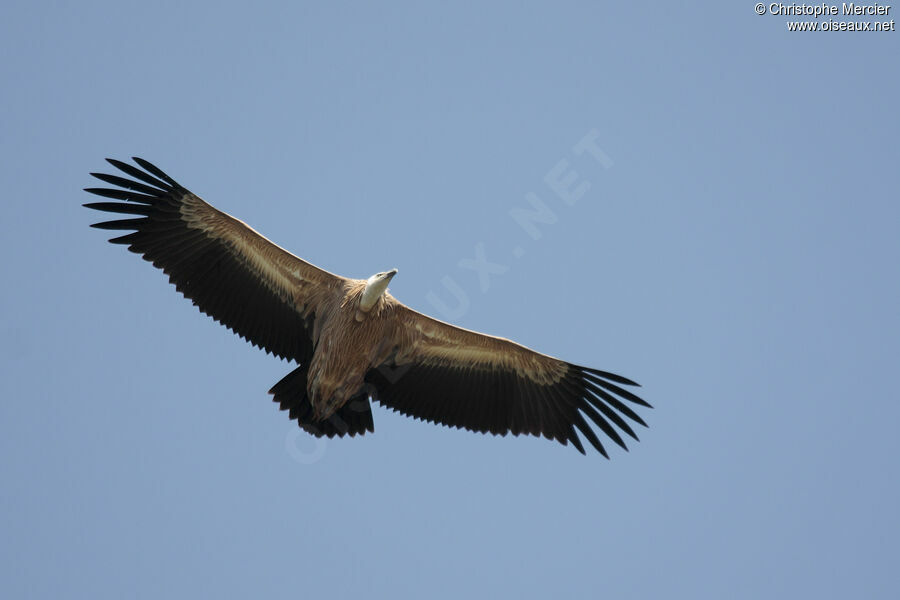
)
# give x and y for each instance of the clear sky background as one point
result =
(736, 252)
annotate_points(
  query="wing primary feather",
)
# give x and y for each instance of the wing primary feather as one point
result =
(564, 407)
(612, 416)
(552, 411)
(610, 376)
(126, 240)
(613, 402)
(128, 184)
(573, 437)
(122, 195)
(118, 207)
(586, 430)
(182, 248)
(604, 425)
(617, 390)
(588, 408)
(135, 172)
(149, 166)
(607, 410)
(121, 224)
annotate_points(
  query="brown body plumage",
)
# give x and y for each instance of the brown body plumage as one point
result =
(352, 340)
(349, 342)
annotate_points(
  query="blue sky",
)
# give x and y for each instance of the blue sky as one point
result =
(736, 252)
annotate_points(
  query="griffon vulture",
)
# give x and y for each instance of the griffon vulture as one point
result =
(352, 340)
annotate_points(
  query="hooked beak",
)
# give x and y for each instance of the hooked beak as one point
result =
(390, 274)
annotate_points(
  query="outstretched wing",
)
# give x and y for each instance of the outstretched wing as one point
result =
(258, 290)
(464, 379)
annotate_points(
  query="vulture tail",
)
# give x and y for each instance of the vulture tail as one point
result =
(354, 417)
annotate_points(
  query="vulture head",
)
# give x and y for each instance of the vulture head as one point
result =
(376, 285)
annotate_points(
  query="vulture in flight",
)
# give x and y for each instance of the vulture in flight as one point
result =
(352, 341)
